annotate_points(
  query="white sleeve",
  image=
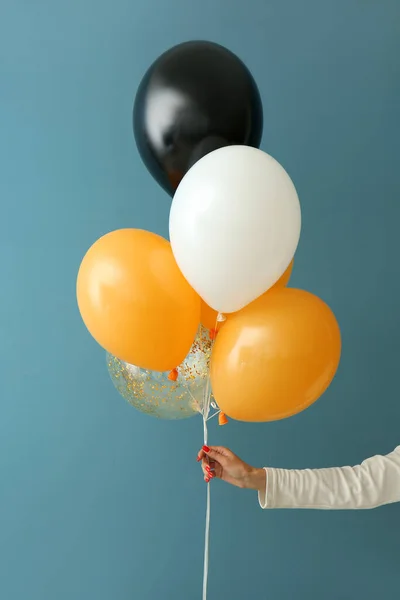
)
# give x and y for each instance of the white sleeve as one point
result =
(373, 483)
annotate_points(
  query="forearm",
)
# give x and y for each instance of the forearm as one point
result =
(373, 483)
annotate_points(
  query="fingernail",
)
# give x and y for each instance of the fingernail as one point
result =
(206, 449)
(198, 459)
(211, 475)
(208, 468)
(207, 480)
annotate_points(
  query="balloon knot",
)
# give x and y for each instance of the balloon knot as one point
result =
(222, 419)
(173, 375)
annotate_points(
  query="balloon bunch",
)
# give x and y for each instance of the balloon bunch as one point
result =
(268, 351)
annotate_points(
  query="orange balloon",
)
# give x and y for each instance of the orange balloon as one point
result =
(275, 357)
(209, 316)
(135, 301)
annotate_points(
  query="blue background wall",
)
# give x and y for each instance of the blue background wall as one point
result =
(96, 500)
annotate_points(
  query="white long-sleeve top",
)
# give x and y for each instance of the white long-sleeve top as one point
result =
(373, 483)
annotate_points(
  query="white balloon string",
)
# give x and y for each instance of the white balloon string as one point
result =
(206, 412)
(214, 415)
(208, 509)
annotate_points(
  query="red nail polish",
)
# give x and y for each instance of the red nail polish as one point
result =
(198, 459)
(206, 449)
(207, 480)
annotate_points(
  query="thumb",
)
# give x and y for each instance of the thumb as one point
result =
(215, 453)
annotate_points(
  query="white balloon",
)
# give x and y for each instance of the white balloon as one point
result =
(234, 226)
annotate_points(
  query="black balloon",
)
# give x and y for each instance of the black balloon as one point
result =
(195, 98)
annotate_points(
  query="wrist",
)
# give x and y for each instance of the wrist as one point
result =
(257, 480)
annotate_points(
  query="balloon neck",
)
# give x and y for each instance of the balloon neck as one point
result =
(173, 375)
(222, 419)
(221, 318)
(174, 178)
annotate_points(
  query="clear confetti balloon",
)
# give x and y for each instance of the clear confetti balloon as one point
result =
(156, 393)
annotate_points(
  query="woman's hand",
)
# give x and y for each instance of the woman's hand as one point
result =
(220, 462)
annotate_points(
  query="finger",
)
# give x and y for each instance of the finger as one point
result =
(222, 451)
(212, 469)
(200, 455)
(218, 449)
(206, 466)
(217, 456)
(212, 464)
(209, 477)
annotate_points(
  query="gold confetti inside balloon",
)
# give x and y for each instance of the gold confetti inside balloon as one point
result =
(166, 395)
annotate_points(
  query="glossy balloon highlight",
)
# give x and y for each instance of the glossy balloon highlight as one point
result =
(234, 226)
(196, 97)
(135, 301)
(275, 357)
